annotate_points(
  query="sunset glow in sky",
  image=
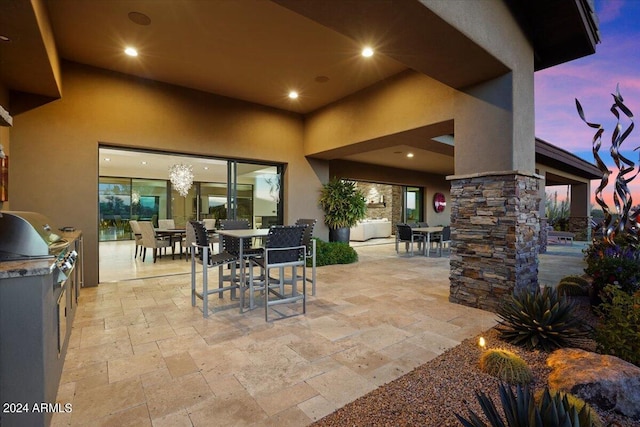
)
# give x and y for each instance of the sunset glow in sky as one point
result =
(592, 80)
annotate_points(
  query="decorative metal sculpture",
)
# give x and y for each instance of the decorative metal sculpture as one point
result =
(626, 222)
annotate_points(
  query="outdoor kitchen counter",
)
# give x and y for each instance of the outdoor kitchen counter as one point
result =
(25, 268)
(34, 267)
(38, 299)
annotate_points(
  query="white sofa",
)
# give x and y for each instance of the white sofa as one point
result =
(370, 229)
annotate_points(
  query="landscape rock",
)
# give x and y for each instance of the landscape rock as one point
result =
(604, 381)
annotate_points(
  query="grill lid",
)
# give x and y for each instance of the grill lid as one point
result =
(27, 234)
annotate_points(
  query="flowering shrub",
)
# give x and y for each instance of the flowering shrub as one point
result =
(617, 265)
(619, 330)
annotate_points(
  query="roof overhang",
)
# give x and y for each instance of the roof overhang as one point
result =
(550, 155)
(559, 30)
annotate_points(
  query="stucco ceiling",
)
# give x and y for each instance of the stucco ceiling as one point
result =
(253, 50)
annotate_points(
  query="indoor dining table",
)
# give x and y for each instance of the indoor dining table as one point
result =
(174, 235)
(241, 235)
(428, 231)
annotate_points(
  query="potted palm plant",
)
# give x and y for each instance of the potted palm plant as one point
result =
(343, 205)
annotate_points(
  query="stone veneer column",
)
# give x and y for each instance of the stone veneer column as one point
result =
(495, 226)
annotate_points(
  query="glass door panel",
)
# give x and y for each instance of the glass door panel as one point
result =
(114, 195)
(148, 199)
(259, 193)
(413, 205)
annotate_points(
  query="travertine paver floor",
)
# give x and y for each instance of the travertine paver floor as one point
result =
(139, 354)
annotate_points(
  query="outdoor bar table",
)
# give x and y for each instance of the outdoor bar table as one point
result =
(428, 231)
(241, 235)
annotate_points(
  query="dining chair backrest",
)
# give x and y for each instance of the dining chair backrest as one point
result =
(308, 232)
(404, 231)
(135, 227)
(148, 234)
(200, 235)
(231, 244)
(285, 236)
(196, 231)
(423, 224)
(446, 233)
(166, 224)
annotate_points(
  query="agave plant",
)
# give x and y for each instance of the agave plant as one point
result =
(540, 319)
(521, 410)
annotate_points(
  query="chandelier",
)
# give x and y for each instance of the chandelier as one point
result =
(181, 177)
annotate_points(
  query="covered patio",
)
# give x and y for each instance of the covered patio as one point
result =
(139, 353)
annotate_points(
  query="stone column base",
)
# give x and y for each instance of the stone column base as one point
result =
(495, 230)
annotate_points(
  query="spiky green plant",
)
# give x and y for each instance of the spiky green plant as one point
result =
(539, 319)
(506, 366)
(521, 410)
(547, 399)
(573, 286)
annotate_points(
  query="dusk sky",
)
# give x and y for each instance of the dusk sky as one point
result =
(592, 80)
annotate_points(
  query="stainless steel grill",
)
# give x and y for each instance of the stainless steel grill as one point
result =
(28, 235)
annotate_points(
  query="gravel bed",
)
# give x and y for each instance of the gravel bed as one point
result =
(431, 394)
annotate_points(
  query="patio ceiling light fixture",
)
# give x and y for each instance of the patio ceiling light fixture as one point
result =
(181, 177)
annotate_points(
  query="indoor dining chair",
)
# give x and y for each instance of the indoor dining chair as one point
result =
(151, 241)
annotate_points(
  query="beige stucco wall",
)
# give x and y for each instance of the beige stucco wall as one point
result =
(407, 101)
(493, 120)
(54, 169)
(498, 115)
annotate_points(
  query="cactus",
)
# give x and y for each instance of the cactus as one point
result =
(505, 365)
(573, 286)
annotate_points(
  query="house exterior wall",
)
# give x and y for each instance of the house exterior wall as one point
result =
(55, 164)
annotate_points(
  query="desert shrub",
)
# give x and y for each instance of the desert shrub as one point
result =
(617, 265)
(520, 409)
(539, 319)
(618, 332)
(329, 253)
(506, 366)
(573, 286)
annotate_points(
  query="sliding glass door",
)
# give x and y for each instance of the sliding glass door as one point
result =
(413, 211)
(221, 189)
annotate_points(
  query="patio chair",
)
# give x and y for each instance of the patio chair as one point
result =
(283, 249)
(201, 254)
(151, 241)
(232, 246)
(444, 239)
(406, 235)
(310, 243)
(137, 235)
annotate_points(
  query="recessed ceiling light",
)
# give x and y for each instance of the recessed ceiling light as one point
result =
(131, 51)
(409, 155)
(106, 159)
(206, 168)
(293, 94)
(139, 18)
(367, 52)
(4, 38)
(143, 162)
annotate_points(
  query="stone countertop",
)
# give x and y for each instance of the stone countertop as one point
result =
(25, 267)
(33, 267)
